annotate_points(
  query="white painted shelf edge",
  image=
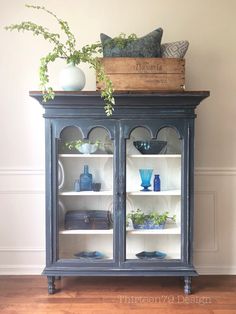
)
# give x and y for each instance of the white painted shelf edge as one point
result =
(170, 256)
(155, 156)
(85, 193)
(111, 156)
(92, 193)
(85, 155)
(109, 231)
(155, 231)
(131, 232)
(152, 193)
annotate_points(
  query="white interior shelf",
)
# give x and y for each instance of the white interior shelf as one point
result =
(85, 155)
(174, 255)
(85, 193)
(109, 231)
(152, 193)
(175, 230)
(155, 156)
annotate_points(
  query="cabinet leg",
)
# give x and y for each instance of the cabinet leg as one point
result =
(187, 285)
(51, 285)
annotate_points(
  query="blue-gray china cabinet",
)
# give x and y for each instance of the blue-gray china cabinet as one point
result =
(138, 116)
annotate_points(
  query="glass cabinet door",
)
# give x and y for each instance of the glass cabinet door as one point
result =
(85, 195)
(153, 195)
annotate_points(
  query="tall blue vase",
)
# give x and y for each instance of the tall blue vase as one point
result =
(146, 175)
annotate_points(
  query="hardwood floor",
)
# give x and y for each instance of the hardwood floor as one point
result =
(28, 295)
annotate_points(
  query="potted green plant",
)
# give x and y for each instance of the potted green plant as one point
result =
(153, 220)
(67, 50)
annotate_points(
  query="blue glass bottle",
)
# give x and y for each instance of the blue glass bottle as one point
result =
(77, 185)
(156, 183)
(86, 180)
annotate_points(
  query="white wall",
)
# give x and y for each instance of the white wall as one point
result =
(210, 26)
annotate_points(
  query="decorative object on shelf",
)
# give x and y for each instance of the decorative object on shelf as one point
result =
(146, 175)
(88, 220)
(151, 255)
(67, 51)
(62, 213)
(151, 147)
(90, 255)
(96, 187)
(145, 74)
(84, 147)
(77, 185)
(176, 49)
(61, 175)
(72, 78)
(156, 183)
(86, 180)
(153, 220)
(137, 217)
(146, 46)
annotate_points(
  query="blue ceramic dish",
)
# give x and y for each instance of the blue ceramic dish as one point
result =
(151, 147)
(149, 226)
(151, 255)
(89, 255)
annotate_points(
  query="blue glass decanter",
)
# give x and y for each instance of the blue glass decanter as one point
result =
(156, 183)
(146, 175)
(86, 180)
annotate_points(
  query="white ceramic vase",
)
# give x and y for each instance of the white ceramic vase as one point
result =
(72, 78)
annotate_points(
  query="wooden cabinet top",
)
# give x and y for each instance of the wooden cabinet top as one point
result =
(90, 103)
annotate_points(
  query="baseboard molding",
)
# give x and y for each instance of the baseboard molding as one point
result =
(216, 270)
(21, 270)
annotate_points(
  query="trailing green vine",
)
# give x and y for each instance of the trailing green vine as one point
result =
(67, 50)
(121, 41)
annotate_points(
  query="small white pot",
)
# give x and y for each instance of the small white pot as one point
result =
(72, 78)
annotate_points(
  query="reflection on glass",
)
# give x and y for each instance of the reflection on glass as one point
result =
(85, 201)
(154, 221)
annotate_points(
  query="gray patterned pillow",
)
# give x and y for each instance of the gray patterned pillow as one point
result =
(176, 49)
(147, 46)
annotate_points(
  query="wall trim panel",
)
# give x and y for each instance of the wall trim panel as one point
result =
(22, 249)
(22, 173)
(199, 171)
(215, 171)
(215, 247)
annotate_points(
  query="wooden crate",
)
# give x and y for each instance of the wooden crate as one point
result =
(153, 74)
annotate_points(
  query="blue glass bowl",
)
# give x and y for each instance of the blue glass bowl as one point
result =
(151, 147)
(89, 255)
(151, 255)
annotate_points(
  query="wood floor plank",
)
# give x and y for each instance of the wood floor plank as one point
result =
(28, 295)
